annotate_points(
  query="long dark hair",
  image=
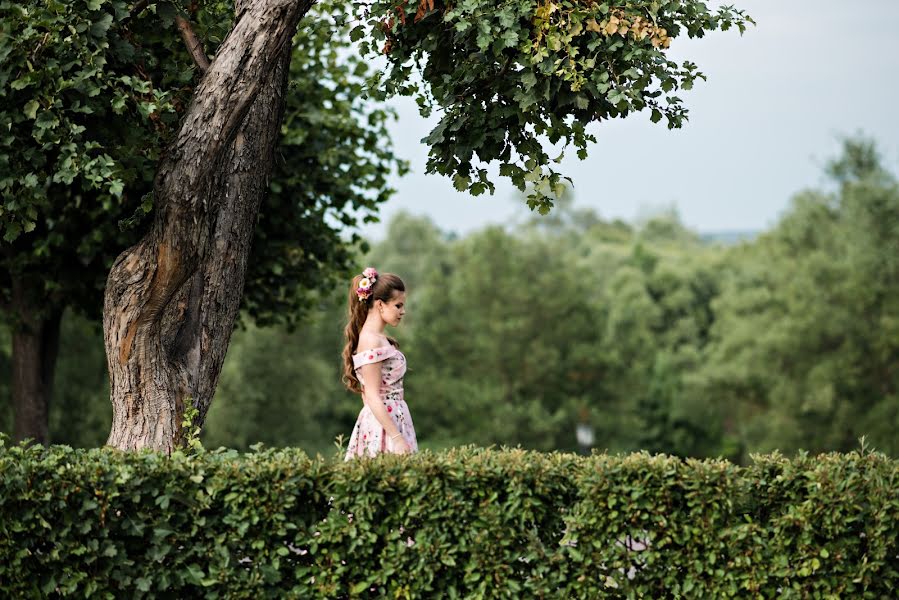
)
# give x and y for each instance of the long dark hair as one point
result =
(383, 289)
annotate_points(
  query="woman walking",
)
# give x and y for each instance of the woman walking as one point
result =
(374, 366)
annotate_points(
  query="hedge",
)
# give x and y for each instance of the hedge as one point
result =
(464, 523)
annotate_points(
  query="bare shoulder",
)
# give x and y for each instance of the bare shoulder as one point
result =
(367, 341)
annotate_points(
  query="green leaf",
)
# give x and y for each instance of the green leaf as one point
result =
(195, 573)
(166, 13)
(22, 82)
(358, 588)
(101, 26)
(46, 120)
(529, 79)
(13, 230)
(31, 109)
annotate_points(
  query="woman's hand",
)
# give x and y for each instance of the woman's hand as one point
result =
(400, 446)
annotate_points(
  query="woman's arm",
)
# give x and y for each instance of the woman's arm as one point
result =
(372, 398)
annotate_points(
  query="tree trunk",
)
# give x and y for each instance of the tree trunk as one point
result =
(171, 300)
(35, 347)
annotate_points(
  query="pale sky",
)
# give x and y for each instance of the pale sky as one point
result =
(772, 112)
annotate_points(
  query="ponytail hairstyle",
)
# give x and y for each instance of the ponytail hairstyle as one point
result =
(361, 299)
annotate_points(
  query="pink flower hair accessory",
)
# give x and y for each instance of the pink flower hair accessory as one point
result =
(369, 277)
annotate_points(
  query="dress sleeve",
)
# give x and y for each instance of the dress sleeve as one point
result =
(372, 356)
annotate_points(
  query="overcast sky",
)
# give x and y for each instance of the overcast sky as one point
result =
(775, 105)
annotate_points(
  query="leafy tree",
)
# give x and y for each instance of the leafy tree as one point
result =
(803, 349)
(683, 286)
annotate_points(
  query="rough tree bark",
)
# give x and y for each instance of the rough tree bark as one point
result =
(35, 347)
(172, 299)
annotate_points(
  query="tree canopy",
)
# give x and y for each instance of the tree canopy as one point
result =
(509, 76)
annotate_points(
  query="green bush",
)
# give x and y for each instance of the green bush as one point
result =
(467, 522)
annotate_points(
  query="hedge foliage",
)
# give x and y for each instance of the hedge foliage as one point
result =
(469, 522)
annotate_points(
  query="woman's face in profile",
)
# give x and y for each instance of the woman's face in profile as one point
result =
(393, 310)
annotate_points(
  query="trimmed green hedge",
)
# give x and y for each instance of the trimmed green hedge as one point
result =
(470, 522)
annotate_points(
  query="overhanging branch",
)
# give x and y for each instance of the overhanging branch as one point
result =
(192, 42)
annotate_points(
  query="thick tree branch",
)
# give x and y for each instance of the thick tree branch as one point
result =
(242, 65)
(193, 43)
(220, 104)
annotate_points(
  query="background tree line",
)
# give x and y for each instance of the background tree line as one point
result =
(658, 339)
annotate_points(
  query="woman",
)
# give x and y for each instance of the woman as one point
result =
(384, 423)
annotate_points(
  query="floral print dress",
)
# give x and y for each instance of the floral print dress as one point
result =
(369, 438)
